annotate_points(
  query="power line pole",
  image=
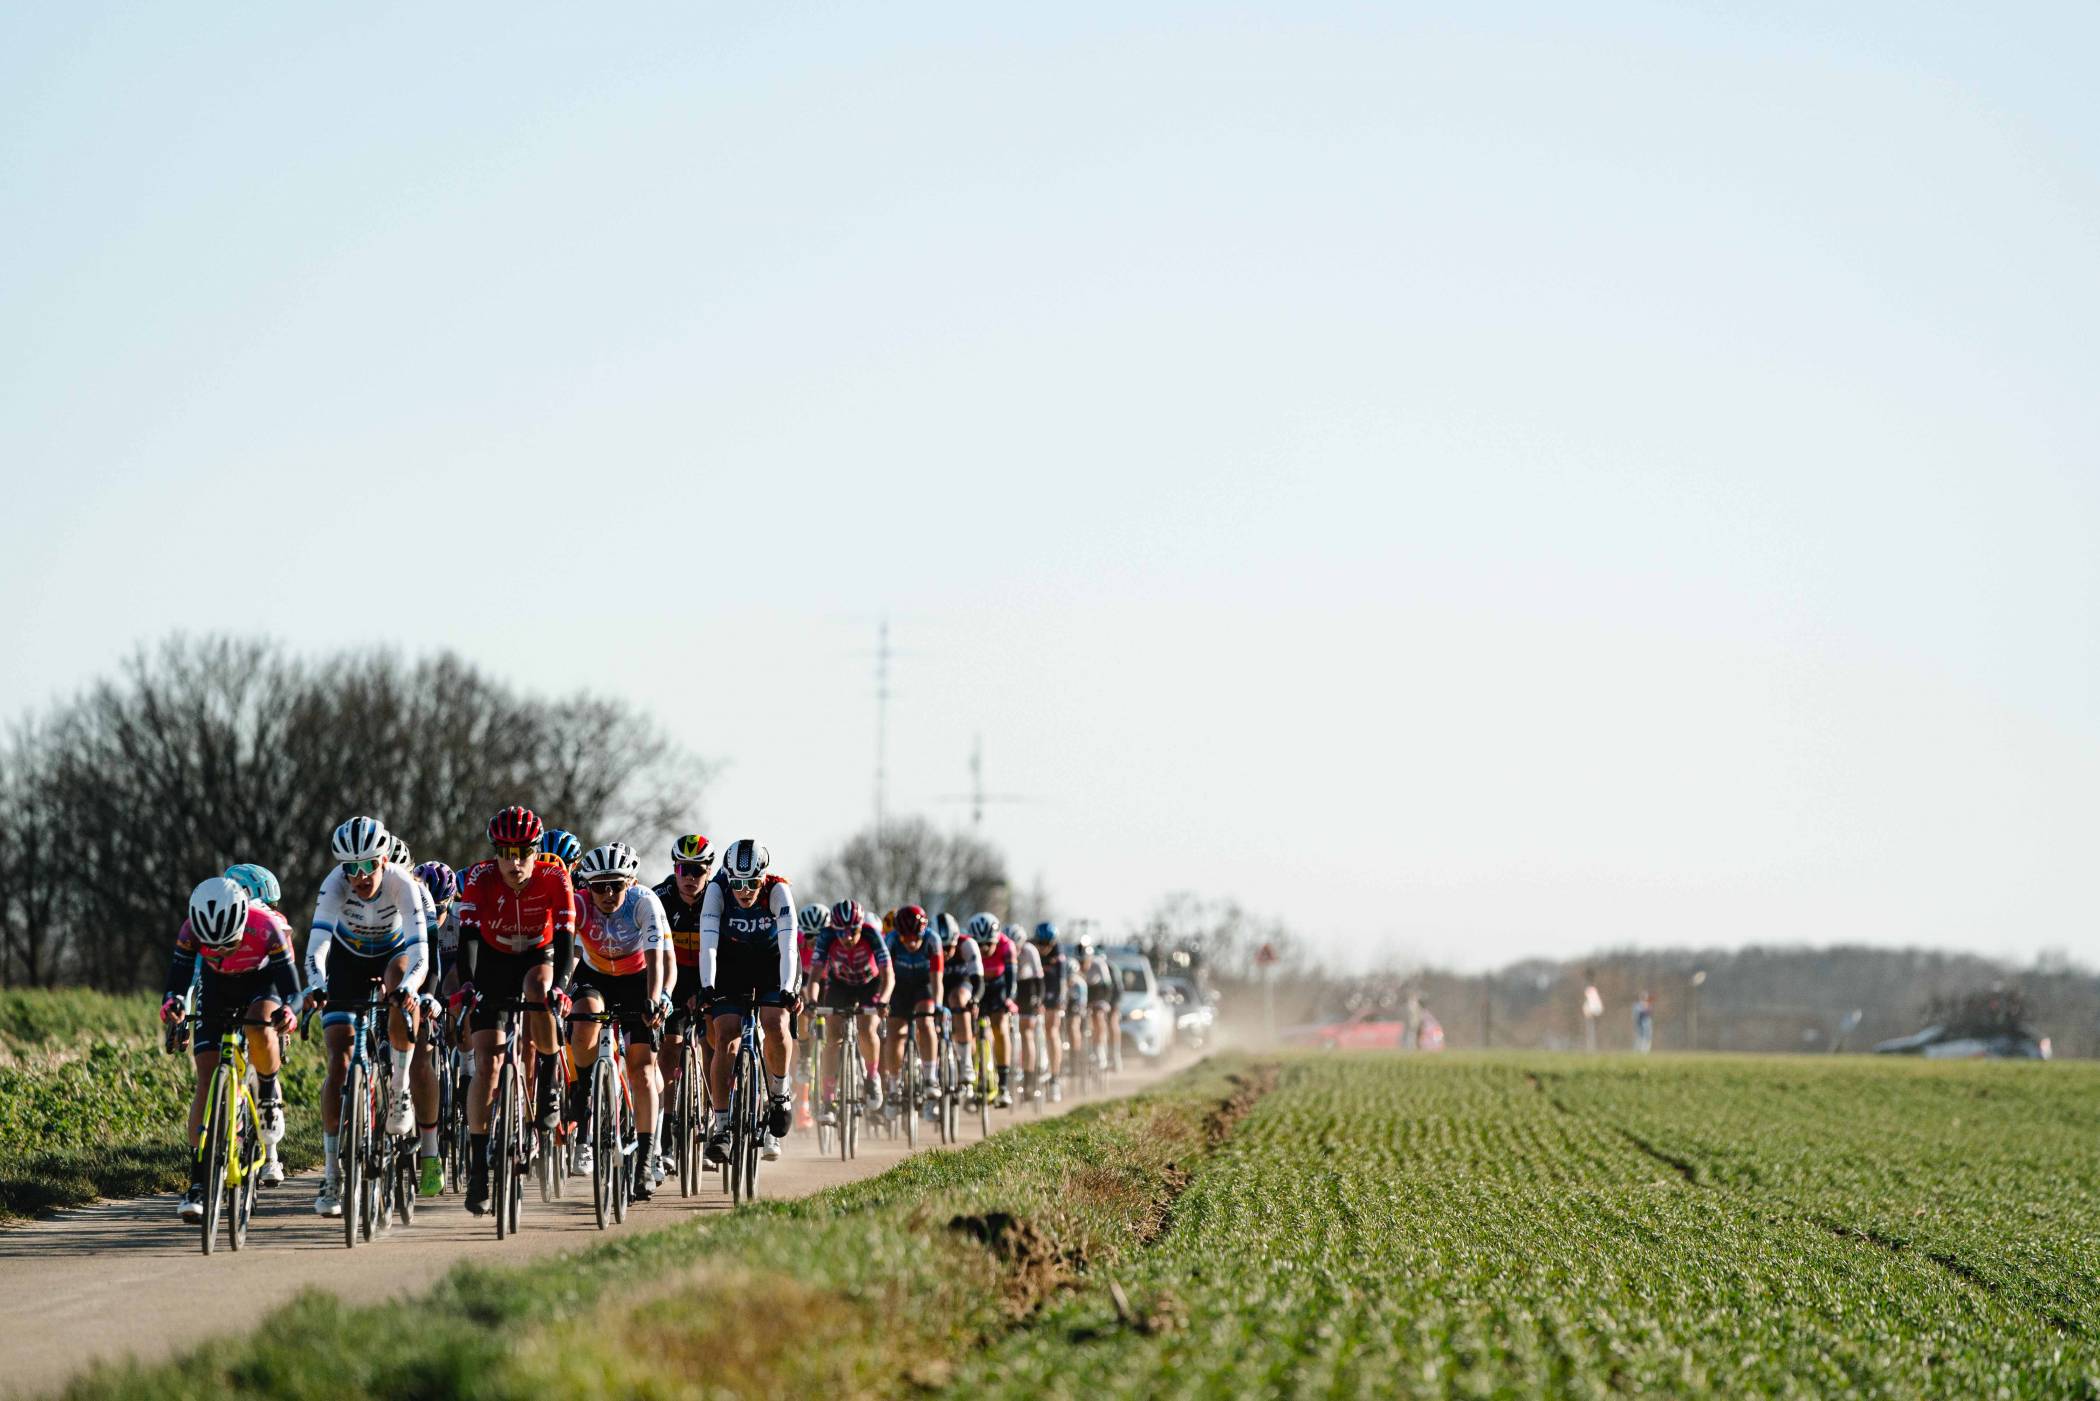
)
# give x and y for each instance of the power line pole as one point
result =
(977, 781)
(882, 723)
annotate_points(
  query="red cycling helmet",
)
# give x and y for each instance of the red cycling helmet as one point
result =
(516, 827)
(911, 920)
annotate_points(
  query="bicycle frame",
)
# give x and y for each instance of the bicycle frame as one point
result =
(612, 1118)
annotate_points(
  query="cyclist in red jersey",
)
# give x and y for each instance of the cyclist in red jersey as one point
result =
(517, 924)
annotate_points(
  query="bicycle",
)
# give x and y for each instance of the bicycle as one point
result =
(983, 1076)
(746, 1115)
(691, 1110)
(949, 1063)
(849, 1090)
(820, 1030)
(455, 1080)
(231, 1144)
(612, 1131)
(363, 1149)
(511, 1128)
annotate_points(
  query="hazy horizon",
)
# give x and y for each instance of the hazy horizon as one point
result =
(1490, 486)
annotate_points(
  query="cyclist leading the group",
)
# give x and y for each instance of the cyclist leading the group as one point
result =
(373, 921)
(517, 923)
(748, 947)
(239, 951)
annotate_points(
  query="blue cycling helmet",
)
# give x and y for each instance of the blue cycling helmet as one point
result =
(257, 881)
(438, 879)
(565, 845)
(1045, 933)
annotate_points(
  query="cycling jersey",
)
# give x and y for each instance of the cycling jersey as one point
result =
(964, 961)
(1028, 964)
(1055, 970)
(915, 967)
(621, 942)
(267, 938)
(767, 926)
(682, 919)
(516, 921)
(399, 918)
(1100, 975)
(841, 960)
(996, 954)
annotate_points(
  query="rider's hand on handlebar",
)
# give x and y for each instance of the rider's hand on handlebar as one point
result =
(171, 1010)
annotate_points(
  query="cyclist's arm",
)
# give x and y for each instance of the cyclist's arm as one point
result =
(564, 928)
(656, 947)
(183, 966)
(710, 932)
(284, 974)
(933, 975)
(328, 909)
(788, 933)
(889, 971)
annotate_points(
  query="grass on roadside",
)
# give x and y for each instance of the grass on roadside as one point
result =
(878, 1286)
(91, 1106)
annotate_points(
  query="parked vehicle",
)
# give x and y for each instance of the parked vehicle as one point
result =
(1367, 1030)
(1194, 1010)
(1145, 1017)
(1938, 1043)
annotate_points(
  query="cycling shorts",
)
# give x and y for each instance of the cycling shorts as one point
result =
(352, 977)
(1075, 995)
(841, 996)
(967, 984)
(741, 969)
(222, 995)
(908, 994)
(999, 991)
(1028, 995)
(500, 977)
(626, 996)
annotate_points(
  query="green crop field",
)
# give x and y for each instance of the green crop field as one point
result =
(1337, 1225)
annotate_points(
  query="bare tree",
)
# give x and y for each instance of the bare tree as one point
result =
(912, 862)
(202, 753)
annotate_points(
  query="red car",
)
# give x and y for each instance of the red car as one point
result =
(1366, 1031)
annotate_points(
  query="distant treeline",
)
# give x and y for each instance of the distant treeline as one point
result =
(1750, 999)
(206, 752)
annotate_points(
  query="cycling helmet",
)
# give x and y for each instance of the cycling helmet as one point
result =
(1045, 933)
(219, 913)
(257, 881)
(911, 919)
(983, 925)
(746, 860)
(613, 861)
(438, 879)
(1085, 948)
(868, 926)
(693, 848)
(812, 917)
(515, 827)
(847, 914)
(397, 853)
(360, 839)
(944, 924)
(1016, 933)
(566, 845)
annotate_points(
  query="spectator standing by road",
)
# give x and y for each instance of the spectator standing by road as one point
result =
(1592, 1008)
(1643, 1024)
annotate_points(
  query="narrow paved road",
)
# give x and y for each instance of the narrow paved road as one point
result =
(127, 1277)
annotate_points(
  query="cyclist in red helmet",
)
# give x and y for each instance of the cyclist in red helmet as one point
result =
(517, 924)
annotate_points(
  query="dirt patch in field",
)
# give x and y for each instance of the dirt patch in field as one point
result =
(1034, 1265)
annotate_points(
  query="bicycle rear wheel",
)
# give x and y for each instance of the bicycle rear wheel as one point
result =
(248, 1157)
(214, 1145)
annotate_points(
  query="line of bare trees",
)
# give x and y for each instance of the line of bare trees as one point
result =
(203, 752)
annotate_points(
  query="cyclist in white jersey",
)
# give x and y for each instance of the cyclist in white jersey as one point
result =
(373, 921)
(626, 969)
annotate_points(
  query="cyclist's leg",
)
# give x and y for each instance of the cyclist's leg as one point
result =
(423, 1084)
(776, 1045)
(535, 987)
(583, 1050)
(644, 1087)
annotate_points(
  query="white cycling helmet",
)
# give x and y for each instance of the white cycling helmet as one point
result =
(397, 852)
(361, 839)
(813, 918)
(613, 861)
(746, 860)
(219, 913)
(983, 925)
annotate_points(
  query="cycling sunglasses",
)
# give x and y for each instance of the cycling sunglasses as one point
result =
(360, 868)
(698, 870)
(515, 850)
(746, 882)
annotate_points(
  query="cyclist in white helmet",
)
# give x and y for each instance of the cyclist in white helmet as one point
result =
(748, 946)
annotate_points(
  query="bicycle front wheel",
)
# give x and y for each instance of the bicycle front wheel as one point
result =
(213, 1145)
(754, 1120)
(247, 1170)
(604, 1141)
(350, 1169)
(501, 1136)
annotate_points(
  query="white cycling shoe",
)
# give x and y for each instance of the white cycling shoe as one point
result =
(768, 1147)
(272, 1116)
(330, 1201)
(582, 1160)
(272, 1170)
(401, 1118)
(190, 1210)
(871, 1091)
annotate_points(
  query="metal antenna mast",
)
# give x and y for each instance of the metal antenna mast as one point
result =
(882, 721)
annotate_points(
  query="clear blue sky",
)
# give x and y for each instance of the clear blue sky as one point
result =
(1474, 484)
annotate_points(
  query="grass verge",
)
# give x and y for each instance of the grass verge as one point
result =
(90, 1106)
(882, 1286)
